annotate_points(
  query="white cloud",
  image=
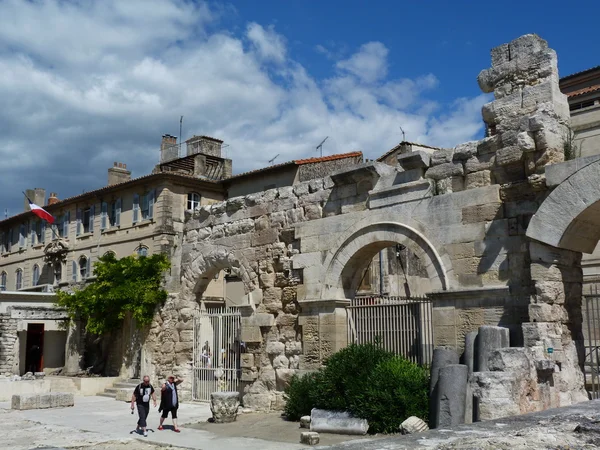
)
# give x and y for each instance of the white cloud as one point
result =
(109, 78)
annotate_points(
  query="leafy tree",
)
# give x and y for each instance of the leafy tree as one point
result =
(127, 285)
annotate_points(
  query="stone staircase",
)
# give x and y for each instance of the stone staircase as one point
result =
(129, 384)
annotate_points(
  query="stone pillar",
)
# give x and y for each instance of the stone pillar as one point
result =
(74, 348)
(489, 338)
(442, 357)
(469, 361)
(451, 395)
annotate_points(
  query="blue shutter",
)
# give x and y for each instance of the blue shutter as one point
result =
(136, 208)
(104, 216)
(65, 223)
(150, 204)
(74, 271)
(43, 232)
(92, 218)
(118, 213)
(78, 214)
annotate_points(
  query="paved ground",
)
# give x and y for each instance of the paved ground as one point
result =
(268, 426)
(101, 423)
(574, 427)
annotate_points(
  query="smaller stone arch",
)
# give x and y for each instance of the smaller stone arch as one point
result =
(569, 218)
(357, 249)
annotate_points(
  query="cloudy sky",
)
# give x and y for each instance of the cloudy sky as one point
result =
(85, 83)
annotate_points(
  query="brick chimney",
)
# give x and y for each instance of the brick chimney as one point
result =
(118, 173)
(53, 198)
(37, 196)
(169, 150)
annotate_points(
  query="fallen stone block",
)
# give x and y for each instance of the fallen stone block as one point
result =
(309, 438)
(337, 422)
(305, 422)
(124, 394)
(413, 425)
(42, 401)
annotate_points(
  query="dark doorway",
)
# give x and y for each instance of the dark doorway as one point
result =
(34, 360)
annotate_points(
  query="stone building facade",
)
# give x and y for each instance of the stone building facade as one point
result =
(464, 212)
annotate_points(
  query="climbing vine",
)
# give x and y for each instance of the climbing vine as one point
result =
(128, 285)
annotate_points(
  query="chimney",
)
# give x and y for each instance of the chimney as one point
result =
(169, 150)
(53, 198)
(204, 144)
(37, 196)
(118, 173)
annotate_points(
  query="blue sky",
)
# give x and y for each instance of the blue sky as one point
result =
(86, 83)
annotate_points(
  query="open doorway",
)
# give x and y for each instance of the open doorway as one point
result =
(34, 359)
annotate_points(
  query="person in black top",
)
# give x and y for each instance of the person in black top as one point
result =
(141, 396)
(169, 401)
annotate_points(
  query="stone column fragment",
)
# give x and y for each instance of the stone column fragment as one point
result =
(451, 395)
(442, 357)
(489, 338)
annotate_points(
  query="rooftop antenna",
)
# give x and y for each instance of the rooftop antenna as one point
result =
(320, 146)
(403, 135)
(6, 213)
(273, 159)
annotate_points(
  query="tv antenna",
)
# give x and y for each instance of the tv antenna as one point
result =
(403, 135)
(320, 146)
(273, 159)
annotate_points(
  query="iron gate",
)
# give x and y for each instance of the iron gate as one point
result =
(401, 325)
(591, 321)
(216, 363)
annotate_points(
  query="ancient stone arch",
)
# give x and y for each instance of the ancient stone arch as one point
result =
(569, 218)
(354, 251)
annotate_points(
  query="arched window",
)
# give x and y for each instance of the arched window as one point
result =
(36, 275)
(193, 201)
(83, 268)
(3, 281)
(110, 253)
(19, 282)
(142, 251)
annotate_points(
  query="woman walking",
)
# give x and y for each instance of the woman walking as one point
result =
(169, 401)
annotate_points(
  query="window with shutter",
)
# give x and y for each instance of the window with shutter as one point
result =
(57, 272)
(2, 242)
(91, 219)
(10, 239)
(32, 233)
(74, 267)
(65, 224)
(104, 216)
(83, 268)
(145, 206)
(42, 232)
(22, 236)
(78, 213)
(3, 281)
(136, 208)
(150, 205)
(118, 213)
(88, 269)
(36, 275)
(19, 279)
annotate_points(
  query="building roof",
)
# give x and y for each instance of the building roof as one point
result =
(577, 74)
(585, 90)
(389, 152)
(115, 187)
(204, 137)
(296, 162)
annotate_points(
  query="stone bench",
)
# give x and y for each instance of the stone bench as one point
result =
(42, 401)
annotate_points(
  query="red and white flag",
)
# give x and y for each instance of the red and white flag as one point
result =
(40, 212)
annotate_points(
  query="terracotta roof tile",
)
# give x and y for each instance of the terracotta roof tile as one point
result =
(586, 90)
(582, 72)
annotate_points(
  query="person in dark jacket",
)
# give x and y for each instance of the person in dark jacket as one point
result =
(169, 401)
(141, 396)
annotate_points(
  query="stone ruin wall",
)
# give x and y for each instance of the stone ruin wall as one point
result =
(9, 352)
(495, 275)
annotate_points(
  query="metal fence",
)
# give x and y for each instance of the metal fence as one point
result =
(216, 362)
(400, 325)
(591, 333)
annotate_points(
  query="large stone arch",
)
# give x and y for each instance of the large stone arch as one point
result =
(357, 247)
(569, 218)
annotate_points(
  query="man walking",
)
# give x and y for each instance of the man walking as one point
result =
(169, 401)
(141, 397)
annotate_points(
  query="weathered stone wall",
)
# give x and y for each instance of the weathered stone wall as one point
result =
(307, 172)
(9, 350)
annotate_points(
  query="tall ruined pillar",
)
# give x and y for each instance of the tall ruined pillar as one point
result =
(527, 123)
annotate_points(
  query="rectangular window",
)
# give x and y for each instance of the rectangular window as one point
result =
(22, 235)
(136, 208)
(104, 216)
(85, 219)
(39, 232)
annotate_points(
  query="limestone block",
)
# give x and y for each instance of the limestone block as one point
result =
(496, 394)
(224, 406)
(281, 362)
(489, 338)
(478, 179)
(409, 176)
(283, 378)
(482, 213)
(247, 360)
(413, 425)
(42, 401)
(515, 359)
(442, 156)
(309, 438)
(259, 320)
(258, 402)
(123, 394)
(251, 334)
(510, 155)
(313, 212)
(445, 170)
(544, 312)
(525, 141)
(249, 374)
(305, 422)
(275, 348)
(338, 422)
(463, 152)
(61, 399)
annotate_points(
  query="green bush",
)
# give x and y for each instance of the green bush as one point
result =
(366, 381)
(397, 389)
